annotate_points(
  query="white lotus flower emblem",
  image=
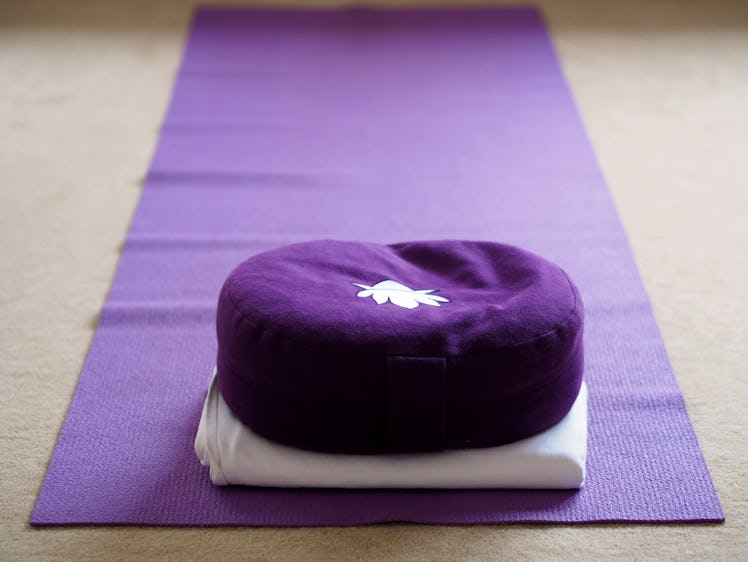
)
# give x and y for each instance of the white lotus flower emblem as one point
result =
(399, 294)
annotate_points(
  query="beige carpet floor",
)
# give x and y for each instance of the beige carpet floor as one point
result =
(663, 89)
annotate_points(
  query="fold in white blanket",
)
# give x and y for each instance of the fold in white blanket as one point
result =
(235, 454)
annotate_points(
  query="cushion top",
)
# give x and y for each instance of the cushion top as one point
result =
(432, 298)
(330, 332)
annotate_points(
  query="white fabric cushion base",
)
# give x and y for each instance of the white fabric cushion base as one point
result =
(235, 454)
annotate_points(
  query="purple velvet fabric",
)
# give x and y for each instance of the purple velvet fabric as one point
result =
(379, 126)
(304, 360)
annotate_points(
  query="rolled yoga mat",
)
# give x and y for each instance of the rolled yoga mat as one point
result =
(377, 126)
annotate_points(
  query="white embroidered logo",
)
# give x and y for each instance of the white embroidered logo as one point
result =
(399, 294)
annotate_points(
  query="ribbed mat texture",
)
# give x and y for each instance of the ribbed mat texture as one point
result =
(372, 125)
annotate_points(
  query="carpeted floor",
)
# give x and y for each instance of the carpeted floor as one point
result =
(83, 88)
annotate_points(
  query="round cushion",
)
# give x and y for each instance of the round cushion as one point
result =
(351, 347)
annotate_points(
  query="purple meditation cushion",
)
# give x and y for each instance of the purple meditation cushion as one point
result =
(349, 347)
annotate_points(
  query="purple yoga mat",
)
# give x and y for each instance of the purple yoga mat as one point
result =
(363, 125)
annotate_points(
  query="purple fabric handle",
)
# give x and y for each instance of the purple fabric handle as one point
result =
(365, 125)
(416, 384)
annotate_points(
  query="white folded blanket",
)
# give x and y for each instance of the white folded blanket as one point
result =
(235, 454)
